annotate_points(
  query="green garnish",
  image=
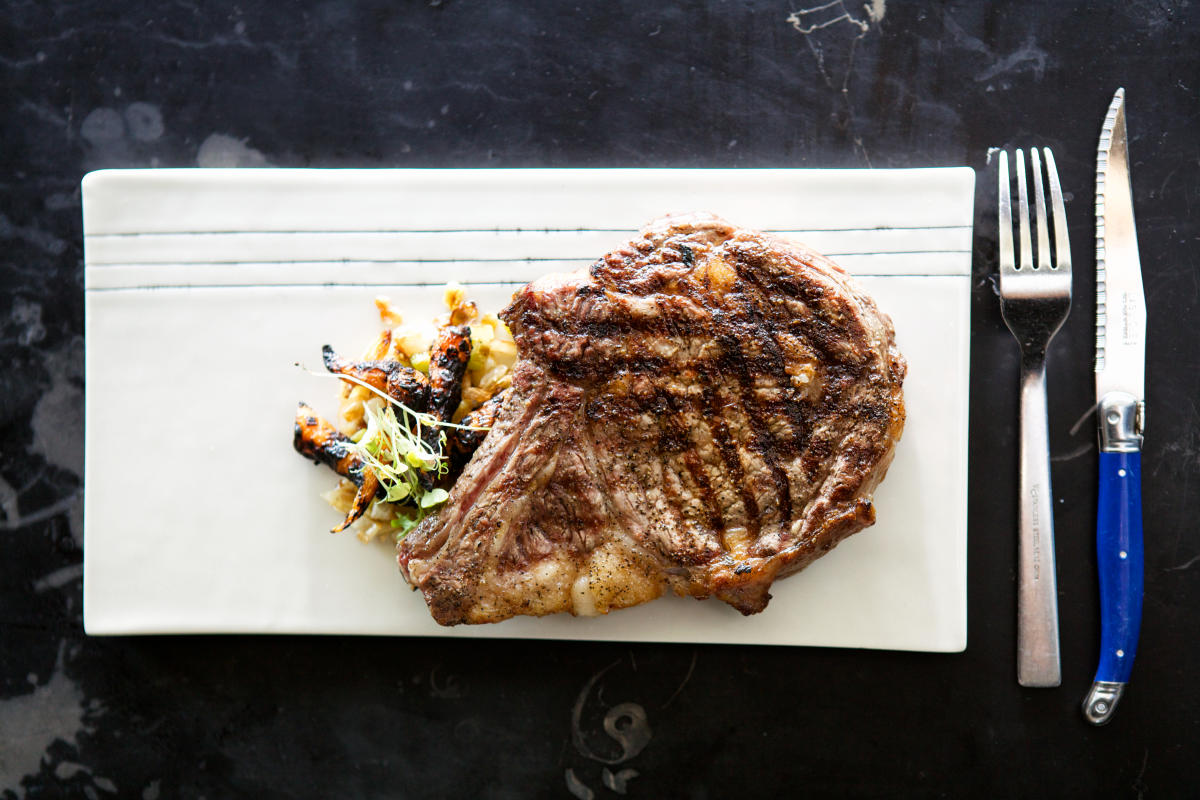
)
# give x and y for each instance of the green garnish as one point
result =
(397, 453)
(433, 498)
(405, 520)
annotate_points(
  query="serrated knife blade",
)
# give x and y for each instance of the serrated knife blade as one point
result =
(1120, 415)
(1120, 301)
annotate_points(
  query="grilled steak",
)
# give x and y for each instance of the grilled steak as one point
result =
(706, 409)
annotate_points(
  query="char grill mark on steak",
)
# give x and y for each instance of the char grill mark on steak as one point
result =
(704, 409)
(761, 439)
(732, 476)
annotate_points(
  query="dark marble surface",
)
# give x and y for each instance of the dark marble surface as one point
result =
(482, 84)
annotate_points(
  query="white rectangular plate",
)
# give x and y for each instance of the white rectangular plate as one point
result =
(203, 287)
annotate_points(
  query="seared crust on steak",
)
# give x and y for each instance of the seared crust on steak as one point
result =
(706, 409)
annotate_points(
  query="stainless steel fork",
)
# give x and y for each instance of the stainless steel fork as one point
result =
(1034, 301)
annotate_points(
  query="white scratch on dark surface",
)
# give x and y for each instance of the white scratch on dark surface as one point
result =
(619, 781)
(22, 63)
(1181, 456)
(1139, 784)
(807, 24)
(1027, 56)
(1162, 187)
(75, 519)
(68, 769)
(449, 689)
(9, 500)
(809, 20)
(687, 677)
(220, 150)
(473, 86)
(45, 512)
(1074, 454)
(578, 788)
(1185, 565)
(990, 281)
(31, 723)
(1084, 417)
(59, 578)
(44, 112)
(282, 57)
(625, 723)
(628, 725)
(812, 22)
(406, 121)
(577, 713)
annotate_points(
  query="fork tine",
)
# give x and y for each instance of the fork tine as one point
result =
(1039, 204)
(1026, 241)
(1007, 261)
(1062, 242)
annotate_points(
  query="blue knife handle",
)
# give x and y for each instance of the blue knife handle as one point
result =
(1119, 558)
(1121, 417)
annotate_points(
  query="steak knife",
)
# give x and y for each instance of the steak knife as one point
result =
(1120, 414)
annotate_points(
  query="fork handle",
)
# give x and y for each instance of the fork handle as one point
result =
(1038, 661)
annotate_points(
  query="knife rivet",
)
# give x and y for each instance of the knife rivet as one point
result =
(1121, 473)
(1124, 554)
(1101, 707)
(1113, 417)
(1120, 654)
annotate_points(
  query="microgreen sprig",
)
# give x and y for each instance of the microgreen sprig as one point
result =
(396, 450)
